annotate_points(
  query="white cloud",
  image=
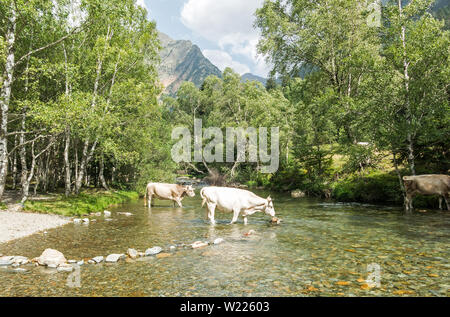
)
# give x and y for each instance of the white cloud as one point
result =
(142, 4)
(223, 60)
(229, 24)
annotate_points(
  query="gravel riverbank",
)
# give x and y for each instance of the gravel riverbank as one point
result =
(14, 224)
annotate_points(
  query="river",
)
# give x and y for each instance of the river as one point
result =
(320, 249)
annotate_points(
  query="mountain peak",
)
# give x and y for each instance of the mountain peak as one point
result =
(182, 61)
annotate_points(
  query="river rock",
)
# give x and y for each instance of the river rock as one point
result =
(77, 221)
(199, 244)
(6, 260)
(218, 241)
(275, 221)
(65, 268)
(172, 247)
(132, 253)
(21, 260)
(51, 257)
(98, 214)
(72, 261)
(297, 194)
(128, 214)
(98, 259)
(107, 213)
(20, 270)
(113, 258)
(247, 234)
(86, 220)
(153, 251)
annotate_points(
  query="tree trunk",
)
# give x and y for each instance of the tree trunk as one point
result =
(23, 159)
(84, 158)
(406, 79)
(101, 175)
(67, 163)
(5, 95)
(14, 165)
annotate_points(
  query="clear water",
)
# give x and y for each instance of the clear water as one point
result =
(320, 249)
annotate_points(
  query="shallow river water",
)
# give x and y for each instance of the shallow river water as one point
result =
(320, 249)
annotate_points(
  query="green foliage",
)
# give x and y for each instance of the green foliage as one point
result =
(375, 187)
(82, 204)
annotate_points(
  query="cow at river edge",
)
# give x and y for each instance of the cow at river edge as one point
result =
(173, 192)
(426, 185)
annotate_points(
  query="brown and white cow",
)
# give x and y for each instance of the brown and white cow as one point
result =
(173, 192)
(426, 185)
(237, 201)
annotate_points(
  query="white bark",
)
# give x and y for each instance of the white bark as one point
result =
(5, 95)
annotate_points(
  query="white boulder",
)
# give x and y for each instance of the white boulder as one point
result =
(51, 258)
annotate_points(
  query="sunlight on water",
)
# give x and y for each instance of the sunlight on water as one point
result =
(320, 249)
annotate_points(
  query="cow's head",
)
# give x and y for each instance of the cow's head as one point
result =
(409, 183)
(268, 208)
(189, 190)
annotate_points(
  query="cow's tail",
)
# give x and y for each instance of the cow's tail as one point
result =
(203, 197)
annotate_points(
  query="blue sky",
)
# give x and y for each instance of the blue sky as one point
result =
(221, 28)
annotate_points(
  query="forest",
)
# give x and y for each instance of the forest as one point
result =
(360, 94)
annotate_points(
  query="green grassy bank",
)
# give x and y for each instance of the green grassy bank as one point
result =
(82, 204)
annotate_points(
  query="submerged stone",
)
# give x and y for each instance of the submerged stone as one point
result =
(132, 253)
(65, 268)
(98, 259)
(153, 251)
(199, 244)
(113, 258)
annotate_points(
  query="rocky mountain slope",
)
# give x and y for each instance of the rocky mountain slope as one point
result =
(182, 61)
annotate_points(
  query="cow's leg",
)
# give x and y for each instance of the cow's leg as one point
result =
(178, 201)
(408, 203)
(245, 220)
(235, 216)
(211, 209)
(149, 201)
(145, 197)
(446, 202)
(440, 202)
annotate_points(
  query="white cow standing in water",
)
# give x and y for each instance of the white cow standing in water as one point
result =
(236, 201)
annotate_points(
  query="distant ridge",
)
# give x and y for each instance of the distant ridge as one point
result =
(251, 77)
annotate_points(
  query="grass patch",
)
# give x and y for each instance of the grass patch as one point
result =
(82, 204)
